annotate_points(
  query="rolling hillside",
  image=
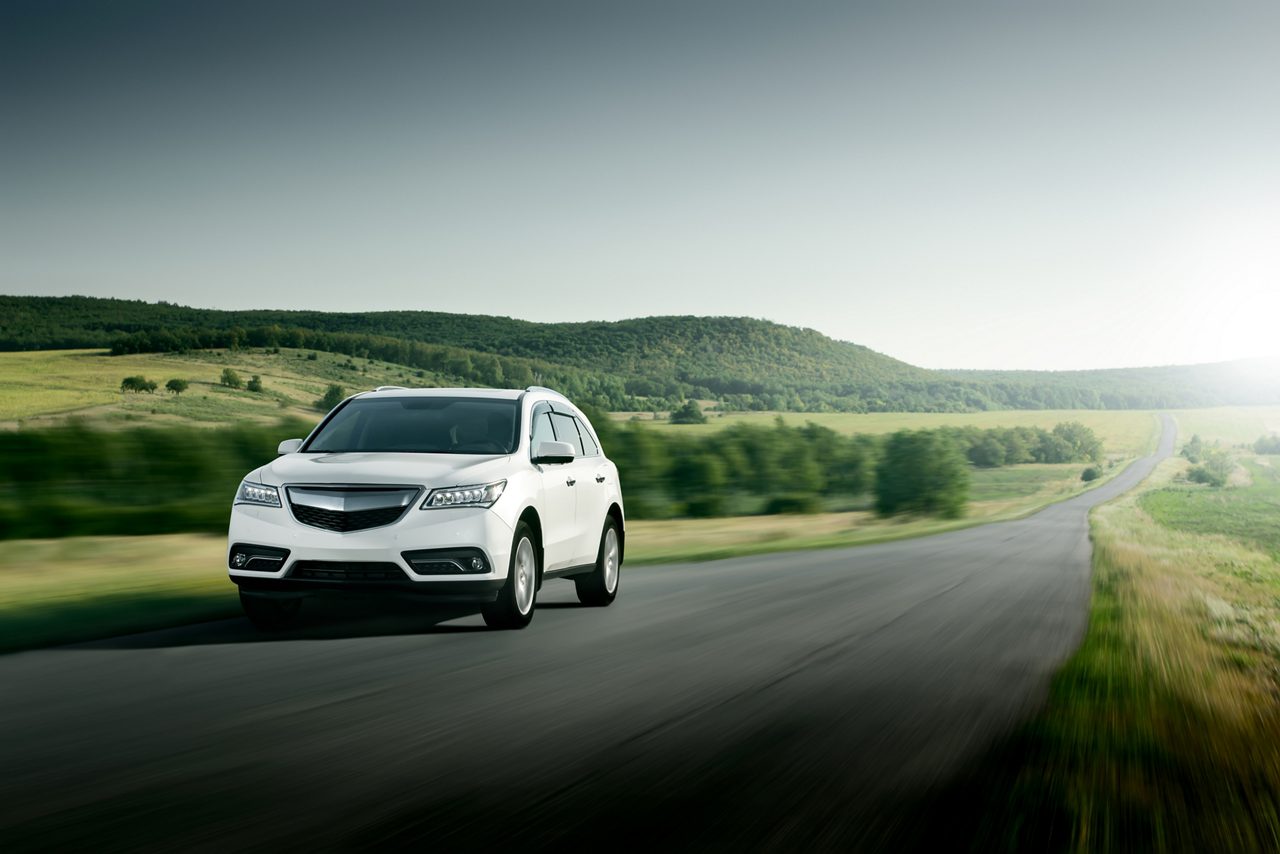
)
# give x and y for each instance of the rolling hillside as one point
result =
(645, 363)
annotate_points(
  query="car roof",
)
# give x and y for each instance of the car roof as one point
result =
(493, 393)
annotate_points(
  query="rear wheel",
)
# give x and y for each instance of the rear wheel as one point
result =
(269, 614)
(600, 588)
(513, 609)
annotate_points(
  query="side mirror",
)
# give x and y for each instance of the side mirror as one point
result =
(288, 446)
(553, 452)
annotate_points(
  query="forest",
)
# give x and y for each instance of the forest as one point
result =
(653, 363)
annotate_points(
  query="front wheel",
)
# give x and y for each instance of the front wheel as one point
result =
(513, 609)
(600, 588)
(269, 614)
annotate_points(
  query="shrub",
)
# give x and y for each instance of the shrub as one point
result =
(176, 386)
(1267, 444)
(311, 357)
(255, 384)
(231, 379)
(923, 472)
(333, 395)
(1214, 469)
(690, 413)
(137, 384)
(1091, 473)
(793, 502)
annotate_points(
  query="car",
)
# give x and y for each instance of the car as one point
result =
(458, 496)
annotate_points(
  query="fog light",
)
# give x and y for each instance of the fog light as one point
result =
(476, 564)
(239, 560)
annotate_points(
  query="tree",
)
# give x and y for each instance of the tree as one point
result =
(333, 395)
(1215, 467)
(690, 413)
(255, 384)
(698, 479)
(176, 386)
(231, 379)
(989, 452)
(134, 384)
(923, 472)
(1267, 444)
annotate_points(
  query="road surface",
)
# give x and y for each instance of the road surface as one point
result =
(783, 701)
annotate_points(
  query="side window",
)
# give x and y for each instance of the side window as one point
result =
(542, 431)
(567, 431)
(588, 444)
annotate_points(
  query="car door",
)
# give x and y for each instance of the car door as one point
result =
(559, 506)
(583, 472)
(592, 494)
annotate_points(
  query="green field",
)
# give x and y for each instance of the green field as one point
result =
(1232, 425)
(49, 385)
(1249, 512)
(1124, 433)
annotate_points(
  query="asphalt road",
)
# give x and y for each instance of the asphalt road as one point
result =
(785, 701)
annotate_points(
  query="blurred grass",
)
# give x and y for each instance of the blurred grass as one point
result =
(1231, 425)
(80, 588)
(1162, 733)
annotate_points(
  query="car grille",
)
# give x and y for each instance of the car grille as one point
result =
(332, 570)
(349, 509)
(335, 520)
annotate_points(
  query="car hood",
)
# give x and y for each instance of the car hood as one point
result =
(429, 470)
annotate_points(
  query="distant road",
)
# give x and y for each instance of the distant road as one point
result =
(788, 700)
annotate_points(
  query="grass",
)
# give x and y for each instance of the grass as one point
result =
(52, 385)
(79, 588)
(1162, 733)
(1249, 512)
(1231, 425)
(1124, 433)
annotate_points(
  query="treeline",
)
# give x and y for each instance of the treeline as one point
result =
(780, 469)
(73, 480)
(652, 363)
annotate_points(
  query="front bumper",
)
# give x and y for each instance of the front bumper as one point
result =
(312, 549)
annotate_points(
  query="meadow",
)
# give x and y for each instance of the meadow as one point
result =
(48, 386)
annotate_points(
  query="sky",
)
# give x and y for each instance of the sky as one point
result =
(1046, 185)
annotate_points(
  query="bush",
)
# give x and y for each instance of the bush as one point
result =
(690, 413)
(231, 379)
(176, 386)
(255, 384)
(137, 384)
(1091, 473)
(311, 357)
(1267, 444)
(333, 395)
(1214, 469)
(794, 502)
(922, 472)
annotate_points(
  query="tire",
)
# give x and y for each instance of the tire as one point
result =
(268, 614)
(513, 609)
(600, 587)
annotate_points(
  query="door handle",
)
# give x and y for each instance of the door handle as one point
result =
(570, 481)
(599, 478)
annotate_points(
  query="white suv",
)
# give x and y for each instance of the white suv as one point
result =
(459, 495)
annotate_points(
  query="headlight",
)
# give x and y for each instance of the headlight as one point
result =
(482, 495)
(257, 493)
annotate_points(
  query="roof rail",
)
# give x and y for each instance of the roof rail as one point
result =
(545, 389)
(391, 388)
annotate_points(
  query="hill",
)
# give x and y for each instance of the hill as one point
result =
(644, 363)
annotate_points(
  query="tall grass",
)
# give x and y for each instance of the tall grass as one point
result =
(1163, 732)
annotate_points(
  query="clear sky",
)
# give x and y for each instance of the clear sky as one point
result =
(1003, 185)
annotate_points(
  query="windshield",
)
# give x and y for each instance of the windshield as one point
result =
(420, 425)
